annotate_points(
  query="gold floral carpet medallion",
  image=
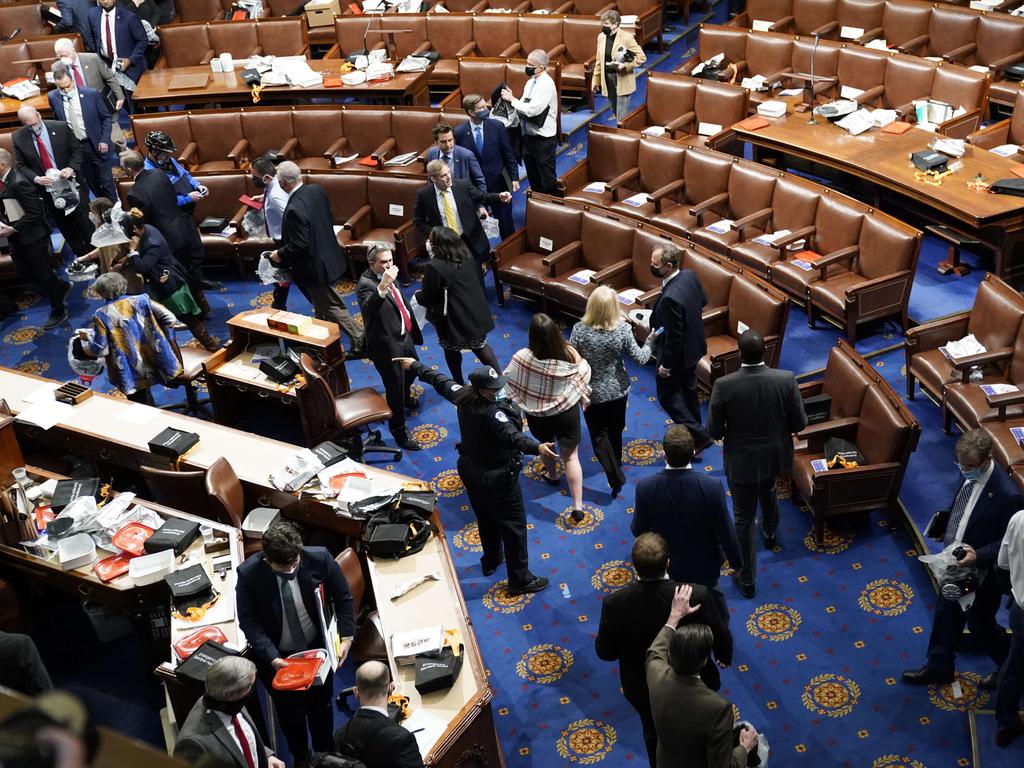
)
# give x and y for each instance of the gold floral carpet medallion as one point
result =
(586, 742)
(544, 663)
(885, 597)
(613, 575)
(831, 695)
(773, 622)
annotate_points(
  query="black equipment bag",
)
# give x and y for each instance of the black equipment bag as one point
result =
(397, 533)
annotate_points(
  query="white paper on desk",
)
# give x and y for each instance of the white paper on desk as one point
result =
(878, 44)
(426, 727)
(137, 413)
(1005, 150)
(46, 414)
(791, 91)
(44, 394)
(260, 318)
(857, 122)
(342, 159)
(761, 25)
(851, 33)
(316, 332)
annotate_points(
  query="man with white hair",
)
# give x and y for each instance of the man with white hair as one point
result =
(218, 729)
(90, 71)
(310, 250)
(538, 112)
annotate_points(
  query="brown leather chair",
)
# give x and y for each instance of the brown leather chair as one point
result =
(267, 129)
(367, 133)
(222, 202)
(650, 21)
(497, 36)
(367, 645)
(412, 37)
(716, 107)
(886, 434)
(966, 403)
(747, 203)
(906, 79)
(902, 22)
(184, 45)
(767, 55)
(863, 69)
(350, 33)
(214, 494)
(202, 10)
(994, 320)
(611, 160)
(451, 35)
(705, 180)
(26, 18)
(544, 32)
(347, 193)
(951, 33)
(961, 88)
(1008, 131)
(660, 165)
(634, 271)
(217, 144)
(579, 36)
(716, 278)
(793, 206)
(1000, 43)
(239, 38)
(714, 40)
(466, 6)
(552, 228)
(778, 14)
(174, 124)
(812, 17)
(320, 135)
(326, 416)
(863, 15)
(669, 103)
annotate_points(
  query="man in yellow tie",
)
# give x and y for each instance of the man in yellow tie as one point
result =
(457, 205)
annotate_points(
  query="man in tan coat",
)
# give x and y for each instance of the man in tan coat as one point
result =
(703, 738)
(618, 55)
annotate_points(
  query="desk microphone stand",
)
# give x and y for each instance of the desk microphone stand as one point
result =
(810, 83)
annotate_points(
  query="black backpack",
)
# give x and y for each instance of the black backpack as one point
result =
(397, 532)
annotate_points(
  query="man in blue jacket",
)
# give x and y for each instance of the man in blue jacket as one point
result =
(285, 596)
(85, 110)
(488, 140)
(120, 40)
(460, 160)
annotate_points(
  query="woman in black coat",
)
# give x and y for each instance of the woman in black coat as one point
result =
(454, 299)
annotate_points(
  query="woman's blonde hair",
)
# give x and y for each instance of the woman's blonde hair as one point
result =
(603, 309)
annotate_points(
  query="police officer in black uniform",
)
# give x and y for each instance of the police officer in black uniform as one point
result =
(490, 457)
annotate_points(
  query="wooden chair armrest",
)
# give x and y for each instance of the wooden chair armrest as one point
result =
(624, 177)
(644, 299)
(965, 364)
(288, 147)
(869, 35)
(602, 276)
(740, 224)
(422, 48)
(237, 151)
(335, 148)
(381, 152)
(669, 189)
(1000, 64)
(466, 50)
(784, 23)
(557, 52)
(562, 254)
(333, 52)
(679, 122)
(186, 154)
(517, 241)
(1003, 401)
(959, 53)
(913, 44)
(843, 254)
(994, 135)
(511, 51)
(817, 434)
(703, 207)
(826, 29)
(356, 218)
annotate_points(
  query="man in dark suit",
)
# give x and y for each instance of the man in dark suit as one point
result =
(488, 140)
(371, 735)
(756, 409)
(85, 111)
(41, 145)
(391, 331)
(631, 618)
(281, 612)
(460, 161)
(688, 510)
(21, 667)
(153, 194)
(976, 521)
(120, 39)
(695, 724)
(90, 71)
(310, 250)
(457, 205)
(23, 222)
(218, 729)
(681, 343)
(74, 17)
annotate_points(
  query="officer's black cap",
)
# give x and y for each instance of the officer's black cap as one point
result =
(486, 377)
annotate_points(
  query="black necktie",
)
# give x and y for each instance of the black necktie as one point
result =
(959, 507)
(291, 615)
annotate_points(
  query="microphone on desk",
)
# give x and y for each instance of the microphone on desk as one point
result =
(811, 120)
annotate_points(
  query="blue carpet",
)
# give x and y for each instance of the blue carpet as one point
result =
(989, 755)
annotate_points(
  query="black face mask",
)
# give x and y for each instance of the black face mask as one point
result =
(530, 71)
(167, 163)
(607, 31)
(259, 183)
(656, 271)
(229, 708)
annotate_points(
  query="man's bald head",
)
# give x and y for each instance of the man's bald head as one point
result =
(64, 48)
(29, 116)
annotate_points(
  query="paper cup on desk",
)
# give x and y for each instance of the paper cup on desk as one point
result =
(227, 64)
(215, 64)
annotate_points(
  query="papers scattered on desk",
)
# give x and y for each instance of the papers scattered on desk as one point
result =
(403, 159)
(849, 92)
(595, 186)
(791, 91)
(951, 147)
(1005, 150)
(999, 389)
(878, 44)
(851, 33)
(964, 347)
(714, 61)
(720, 227)
(20, 88)
(409, 585)
(406, 645)
(857, 122)
(46, 414)
(755, 83)
(629, 296)
(342, 159)
(44, 394)
(582, 277)
(819, 465)
(427, 727)
(297, 471)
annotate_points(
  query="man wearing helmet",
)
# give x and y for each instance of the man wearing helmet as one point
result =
(160, 156)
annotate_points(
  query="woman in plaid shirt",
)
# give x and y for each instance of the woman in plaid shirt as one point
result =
(550, 381)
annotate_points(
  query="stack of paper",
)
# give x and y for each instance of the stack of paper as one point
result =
(637, 200)
(596, 187)
(405, 646)
(629, 296)
(1005, 150)
(999, 389)
(879, 44)
(857, 122)
(964, 347)
(720, 227)
(755, 83)
(582, 276)
(653, 130)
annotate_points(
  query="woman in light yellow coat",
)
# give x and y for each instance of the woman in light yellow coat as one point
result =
(618, 55)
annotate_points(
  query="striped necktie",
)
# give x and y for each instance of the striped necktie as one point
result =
(959, 507)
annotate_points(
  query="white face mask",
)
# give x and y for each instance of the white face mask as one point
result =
(96, 220)
(66, 61)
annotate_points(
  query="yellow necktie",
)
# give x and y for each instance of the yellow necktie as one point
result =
(449, 213)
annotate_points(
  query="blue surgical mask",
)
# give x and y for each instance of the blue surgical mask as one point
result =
(501, 394)
(971, 475)
(483, 114)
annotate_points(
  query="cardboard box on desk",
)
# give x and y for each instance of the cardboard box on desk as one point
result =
(321, 13)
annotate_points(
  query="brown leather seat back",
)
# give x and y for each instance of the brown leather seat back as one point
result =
(494, 34)
(186, 491)
(26, 17)
(579, 36)
(199, 10)
(348, 561)
(411, 129)
(349, 32)
(387, 192)
(1015, 373)
(950, 28)
(996, 315)
(225, 491)
(610, 153)
(267, 130)
(540, 32)
(904, 21)
(456, 116)
(750, 189)
(714, 277)
(769, 10)
(317, 129)
(366, 129)
(997, 36)
(886, 248)
(42, 47)
(606, 240)
(238, 38)
(728, 40)
(706, 175)
(413, 34)
(825, 61)
(809, 15)
(1016, 134)
(861, 14)
(669, 97)
(768, 54)
(346, 191)
(282, 36)
(482, 76)
(861, 68)
(881, 431)
(7, 139)
(316, 403)
(185, 45)
(449, 33)
(959, 87)
(838, 225)
(215, 133)
(555, 222)
(10, 53)
(845, 383)
(793, 204)
(720, 104)
(222, 202)
(460, 6)
(907, 78)
(660, 163)
(174, 124)
(751, 302)
(644, 243)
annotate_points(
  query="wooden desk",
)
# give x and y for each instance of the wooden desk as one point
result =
(883, 159)
(228, 89)
(9, 109)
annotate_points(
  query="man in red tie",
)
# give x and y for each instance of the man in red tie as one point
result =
(218, 729)
(391, 331)
(90, 71)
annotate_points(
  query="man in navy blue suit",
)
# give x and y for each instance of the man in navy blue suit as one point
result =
(681, 344)
(688, 510)
(488, 140)
(461, 162)
(74, 17)
(976, 521)
(120, 39)
(85, 110)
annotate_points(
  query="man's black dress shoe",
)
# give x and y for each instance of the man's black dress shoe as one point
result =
(927, 676)
(747, 590)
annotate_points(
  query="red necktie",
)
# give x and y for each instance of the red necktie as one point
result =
(110, 43)
(43, 154)
(243, 742)
(406, 320)
(78, 76)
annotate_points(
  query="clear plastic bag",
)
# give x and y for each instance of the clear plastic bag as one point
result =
(63, 191)
(253, 224)
(763, 748)
(268, 272)
(87, 367)
(491, 229)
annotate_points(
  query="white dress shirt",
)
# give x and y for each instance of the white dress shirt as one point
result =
(540, 92)
(73, 113)
(246, 731)
(439, 195)
(112, 54)
(1011, 556)
(979, 486)
(275, 199)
